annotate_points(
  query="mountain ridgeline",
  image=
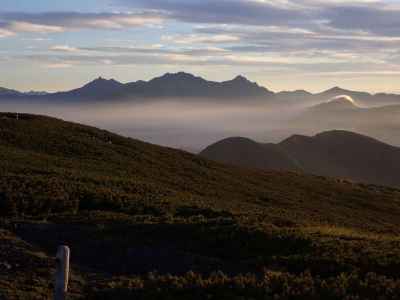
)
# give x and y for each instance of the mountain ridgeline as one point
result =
(346, 113)
(167, 86)
(183, 85)
(340, 154)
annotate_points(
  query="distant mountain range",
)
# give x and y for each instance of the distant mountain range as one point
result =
(362, 98)
(345, 113)
(178, 85)
(185, 85)
(340, 154)
(348, 107)
(13, 93)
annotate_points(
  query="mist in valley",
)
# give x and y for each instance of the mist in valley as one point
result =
(193, 124)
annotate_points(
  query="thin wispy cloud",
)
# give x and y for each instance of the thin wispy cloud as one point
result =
(64, 48)
(52, 22)
(234, 36)
(5, 33)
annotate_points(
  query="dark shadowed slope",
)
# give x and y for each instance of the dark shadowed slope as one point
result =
(335, 153)
(346, 154)
(247, 153)
(127, 208)
(75, 161)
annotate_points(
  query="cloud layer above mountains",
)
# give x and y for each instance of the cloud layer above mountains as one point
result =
(289, 41)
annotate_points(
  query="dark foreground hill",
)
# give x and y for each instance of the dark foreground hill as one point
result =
(340, 154)
(147, 222)
(248, 153)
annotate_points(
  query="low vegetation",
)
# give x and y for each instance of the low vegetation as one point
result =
(146, 222)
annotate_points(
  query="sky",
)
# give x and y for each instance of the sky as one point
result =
(281, 44)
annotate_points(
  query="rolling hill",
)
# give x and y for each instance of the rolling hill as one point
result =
(248, 153)
(336, 153)
(148, 222)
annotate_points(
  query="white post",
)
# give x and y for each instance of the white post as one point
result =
(62, 273)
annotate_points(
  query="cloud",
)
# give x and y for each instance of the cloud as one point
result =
(151, 50)
(298, 36)
(382, 20)
(54, 22)
(64, 48)
(58, 66)
(299, 60)
(226, 11)
(201, 39)
(324, 21)
(370, 16)
(35, 28)
(5, 33)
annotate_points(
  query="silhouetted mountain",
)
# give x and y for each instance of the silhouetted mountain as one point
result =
(346, 154)
(340, 154)
(99, 88)
(363, 98)
(298, 94)
(13, 93)
(301, 97)
(247, 153)
(337, 104)
(170, 85)
(337, 91)
(339, 112)
(342, 113)
(185, 85)
(176, 85)
(36, 93)
(8, 92)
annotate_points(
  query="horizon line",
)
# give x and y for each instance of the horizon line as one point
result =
(32, 90)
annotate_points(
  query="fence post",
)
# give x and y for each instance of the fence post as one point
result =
(62, 273)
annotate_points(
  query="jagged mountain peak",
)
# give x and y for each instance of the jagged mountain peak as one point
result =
(342, 102)
(240, 78)
(100, 81)
(335, 90)
(179, 76)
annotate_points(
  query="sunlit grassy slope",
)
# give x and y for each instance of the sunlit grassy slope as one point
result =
(127, 208)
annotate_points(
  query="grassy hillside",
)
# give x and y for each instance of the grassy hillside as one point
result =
(248, 153)
(335, 153)
(346, 154)
(148, 222)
